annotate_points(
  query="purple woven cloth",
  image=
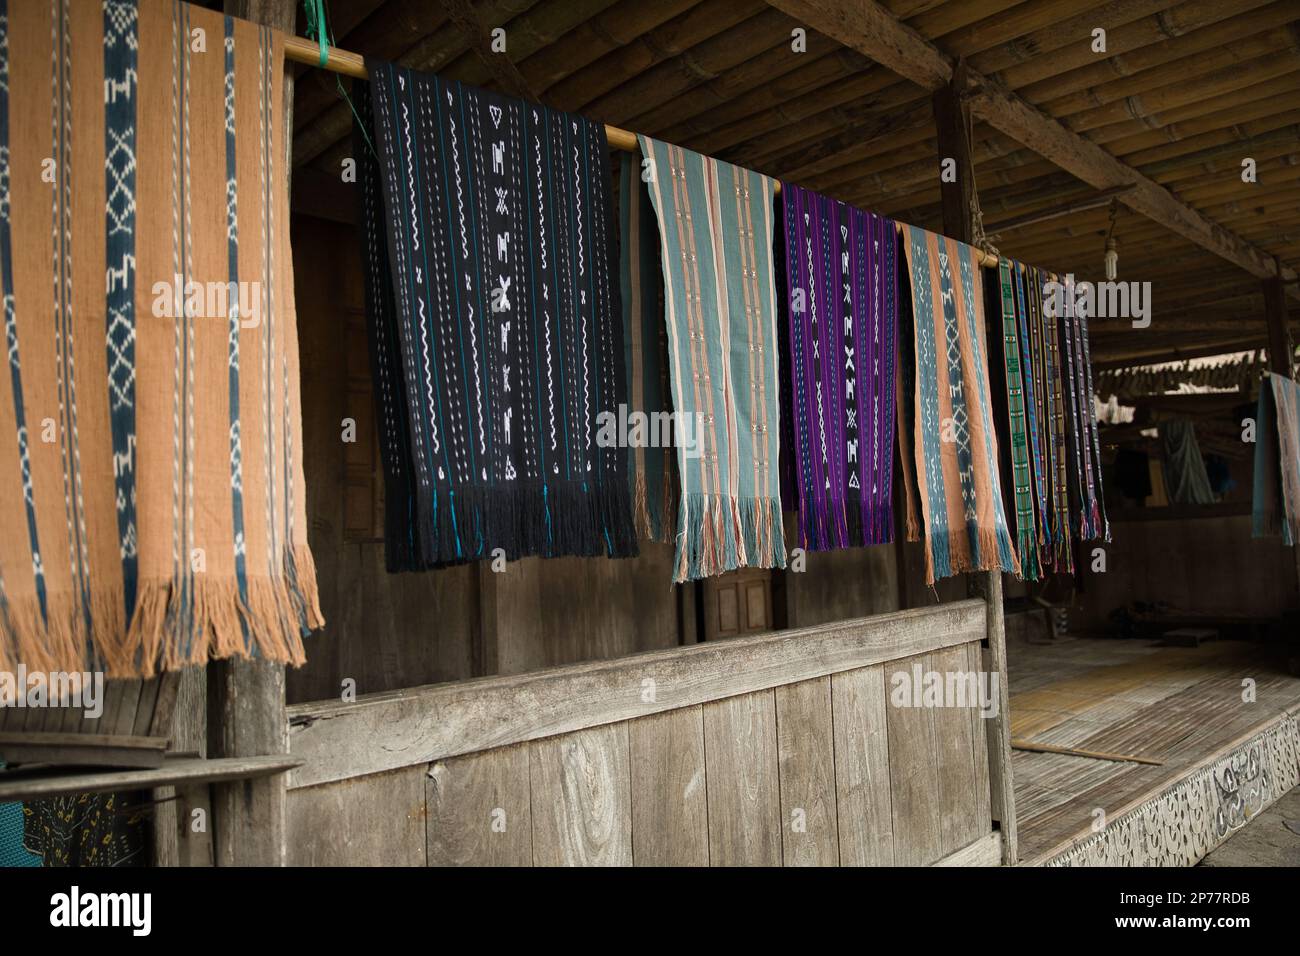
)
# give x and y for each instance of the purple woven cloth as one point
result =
(841, 284)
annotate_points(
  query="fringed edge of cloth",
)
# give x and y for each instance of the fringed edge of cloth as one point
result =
(1029, 566)
(652, 524)
(722, 533)
(269, 625)
(951, 550)
(574, 518)
(826, 525)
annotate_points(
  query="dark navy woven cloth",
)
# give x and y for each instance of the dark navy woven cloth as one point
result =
(495, 323)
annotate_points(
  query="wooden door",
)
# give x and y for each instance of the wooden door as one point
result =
(738, 602)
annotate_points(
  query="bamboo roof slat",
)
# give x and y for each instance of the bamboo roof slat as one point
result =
(1149, 106)
(801, 109)
(1001, 27)
(1119, 64)
(1243, 139)
(856, 130)
(1174, 71)
(664, 42)
(1231, 103)
(703, 62)
(812, 74)
(615, 27)
(1177, 132)
(1167, 22)
(755, 73)
(950, 17)
(1052, 38)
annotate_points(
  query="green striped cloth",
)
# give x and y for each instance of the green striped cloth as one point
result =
(1021, 476)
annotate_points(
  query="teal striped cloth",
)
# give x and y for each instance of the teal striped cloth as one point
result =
(715, 235)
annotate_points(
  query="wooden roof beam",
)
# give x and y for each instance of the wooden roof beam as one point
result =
(869, 28)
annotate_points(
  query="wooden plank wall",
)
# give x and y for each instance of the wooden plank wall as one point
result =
(821, 772)
(1209, 565)
(769, 758)
(840, 585)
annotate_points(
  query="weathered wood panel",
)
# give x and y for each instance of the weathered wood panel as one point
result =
(581, 801)
(962, 815)
(986, 851)
(863, 791)
(982, 725)
(806, 759)
(480, 809)
(378, 820)
(824, 771)
(566, 610)
(913, 774)
(838, 585)
(670, 823)
(743, 792)
(423, 724)
(1232, 571)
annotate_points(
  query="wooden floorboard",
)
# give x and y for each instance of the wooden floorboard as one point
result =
(1176, 704)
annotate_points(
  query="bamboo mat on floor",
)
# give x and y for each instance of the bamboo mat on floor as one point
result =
(1179, 705)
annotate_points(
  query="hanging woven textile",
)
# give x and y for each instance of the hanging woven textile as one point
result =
(152, 404)
(1038, 401)
(501, 344)
(1275, 508)
(650, 459)
(954, 475)
(1021, 414)
(1056, 552)
(840, 281)
(1084, 452)
(1096, 525)
(1186, 479)
(715, 233)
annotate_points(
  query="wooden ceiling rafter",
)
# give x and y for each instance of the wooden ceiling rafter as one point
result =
(873, 31)
(718, 77)
(478, 37)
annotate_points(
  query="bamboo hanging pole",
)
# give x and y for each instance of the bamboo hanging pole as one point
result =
(303, 50)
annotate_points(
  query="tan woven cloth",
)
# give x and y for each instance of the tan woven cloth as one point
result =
(158, 443)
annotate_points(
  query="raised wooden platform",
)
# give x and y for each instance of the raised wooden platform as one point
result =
(1224, 756)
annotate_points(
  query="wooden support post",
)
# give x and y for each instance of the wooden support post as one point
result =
(1281, 350)
(952, 121)
(183, 815)
(246, 705)
(1281, 361)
